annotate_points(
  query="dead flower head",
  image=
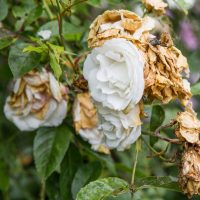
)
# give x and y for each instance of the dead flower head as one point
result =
(155, 6)
(164, 70)
(188, 126)
(189, 177)
(118, 24)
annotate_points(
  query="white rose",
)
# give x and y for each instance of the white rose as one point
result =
(37, 100)
(115, 129)
(114, 73)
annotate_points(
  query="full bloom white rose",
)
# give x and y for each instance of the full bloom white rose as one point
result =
(37, 100)
(115, 129)
(114, 73)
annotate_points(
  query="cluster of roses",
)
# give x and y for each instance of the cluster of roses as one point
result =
(123, 68)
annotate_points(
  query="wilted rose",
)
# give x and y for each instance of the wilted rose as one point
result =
(189, 177)
(37, 100)
(114, 73)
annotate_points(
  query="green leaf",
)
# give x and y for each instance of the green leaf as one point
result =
(23, 8)
(55, 65)
(84, 175)
(4, 182)
(50, 146)
(195, 89)
(3, 9)
(166, 182)
(69, 166)
(54, 54)
(34, 14)
(157, 118)
(20, 63)
(6, 41)
(52, 189)
(100, 189)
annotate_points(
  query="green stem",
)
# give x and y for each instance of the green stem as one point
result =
(43, 190)
(48, 11)
(135, 163)
(134, 166)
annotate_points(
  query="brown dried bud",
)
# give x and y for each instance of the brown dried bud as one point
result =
(118, 24)
(81, 83)
(188, 126)
(163, 71)
(85, 113)
(155, 6)
(189, 177)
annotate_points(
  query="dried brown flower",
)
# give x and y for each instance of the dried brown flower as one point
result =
(85, 113)
(118, 24)
(155, 6)
(165, 65)
(189, 177)
(188, 126)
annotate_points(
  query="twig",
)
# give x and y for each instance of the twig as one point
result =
(173, 141)
(172, 123)
(157, 153)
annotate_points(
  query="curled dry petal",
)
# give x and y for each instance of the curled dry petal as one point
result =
(156, 6)
(85, 113)
(188, 126)
(189, 177)
(118, 24)
(37, 100)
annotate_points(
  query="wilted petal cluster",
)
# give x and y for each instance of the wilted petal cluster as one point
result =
(37, 99)
(188, 126)
(189, 177)
(164, 69)
(119, 24)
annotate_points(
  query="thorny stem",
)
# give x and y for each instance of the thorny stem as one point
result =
(43, 190)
